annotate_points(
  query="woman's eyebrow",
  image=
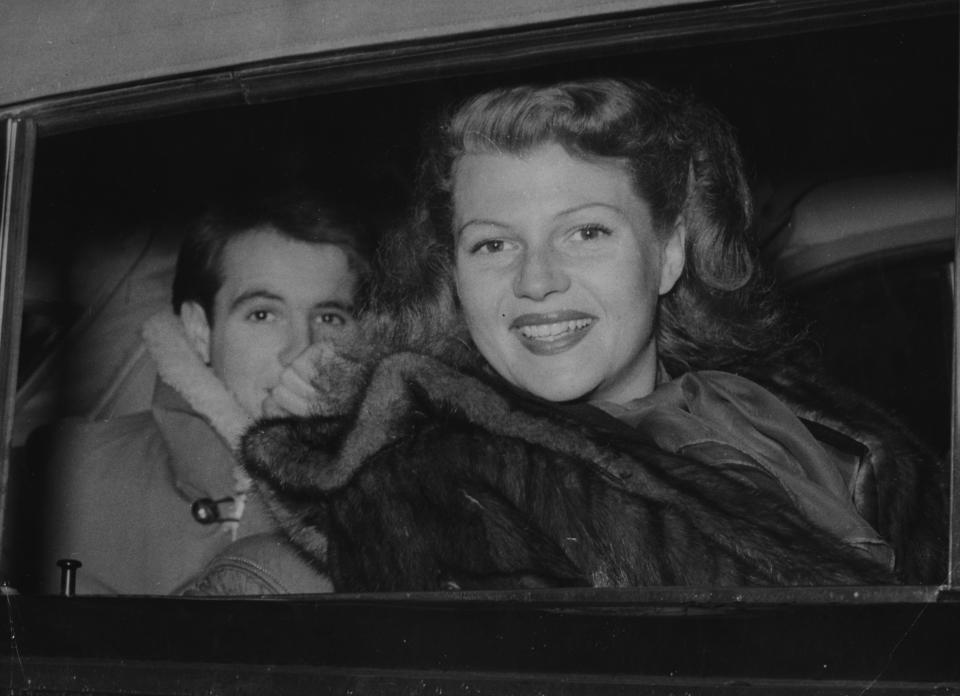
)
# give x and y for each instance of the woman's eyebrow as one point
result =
(479, 221)
(592, 204)
(566, 211)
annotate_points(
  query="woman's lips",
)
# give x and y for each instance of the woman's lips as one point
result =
(549, 334)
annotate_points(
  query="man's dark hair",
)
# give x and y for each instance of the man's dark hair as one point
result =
(300, 217)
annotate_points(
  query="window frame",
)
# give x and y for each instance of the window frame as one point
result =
(837, 640)
(16, 178)
(484, 52)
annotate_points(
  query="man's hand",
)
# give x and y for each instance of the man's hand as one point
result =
(295, 395)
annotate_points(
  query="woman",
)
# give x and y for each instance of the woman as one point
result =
(581, 274)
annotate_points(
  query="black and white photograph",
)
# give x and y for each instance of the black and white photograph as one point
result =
(443, 347)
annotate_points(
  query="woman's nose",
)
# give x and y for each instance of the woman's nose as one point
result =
(297, 339)
(540, 274)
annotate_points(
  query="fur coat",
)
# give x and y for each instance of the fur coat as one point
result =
(420, 472)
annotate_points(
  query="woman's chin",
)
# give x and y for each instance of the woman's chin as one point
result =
(554, 390)
(565, 377)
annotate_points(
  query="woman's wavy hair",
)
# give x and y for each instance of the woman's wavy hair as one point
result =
(685, 164)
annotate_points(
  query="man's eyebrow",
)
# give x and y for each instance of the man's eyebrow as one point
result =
(250, 295)
(258, 294)
(335, 304)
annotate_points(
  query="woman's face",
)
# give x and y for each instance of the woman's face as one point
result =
(559, 272)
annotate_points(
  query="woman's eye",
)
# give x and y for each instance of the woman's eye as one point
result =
(488, 246)
(588, 233)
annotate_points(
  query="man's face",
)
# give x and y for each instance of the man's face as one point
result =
(278, 296)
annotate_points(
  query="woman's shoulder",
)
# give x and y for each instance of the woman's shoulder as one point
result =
(901, 484)
(732, 383)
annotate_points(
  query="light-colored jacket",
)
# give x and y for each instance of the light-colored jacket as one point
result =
(121, 492)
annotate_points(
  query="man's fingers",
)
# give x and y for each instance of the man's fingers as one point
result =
(284, 402)
(296, 383)
(305, 364)
(271, 409)
(295, 394)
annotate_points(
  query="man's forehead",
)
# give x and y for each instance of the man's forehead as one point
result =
(263, 263)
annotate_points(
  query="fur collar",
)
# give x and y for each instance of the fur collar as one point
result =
(180, 367)
(380, 406)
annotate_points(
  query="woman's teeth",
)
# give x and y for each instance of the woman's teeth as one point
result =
(548, 332)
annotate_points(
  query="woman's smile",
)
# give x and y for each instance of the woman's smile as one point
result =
(549, 334)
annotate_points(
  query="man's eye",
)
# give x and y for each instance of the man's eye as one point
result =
(589, 233)
(332, 319)
(260, 315)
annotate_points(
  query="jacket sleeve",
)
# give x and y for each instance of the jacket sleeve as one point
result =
(900, 485)
(262, 564)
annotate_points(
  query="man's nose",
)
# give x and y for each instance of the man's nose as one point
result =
(298, 337)
(540, 274)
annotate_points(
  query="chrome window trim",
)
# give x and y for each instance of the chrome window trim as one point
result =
(953, 563)
(19, 147)
(633, 31)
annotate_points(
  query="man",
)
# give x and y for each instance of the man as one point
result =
(145, 501)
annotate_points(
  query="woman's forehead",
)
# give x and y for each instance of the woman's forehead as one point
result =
(537, 175)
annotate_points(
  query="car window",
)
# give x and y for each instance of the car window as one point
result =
(868, 262)
(110, 205)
